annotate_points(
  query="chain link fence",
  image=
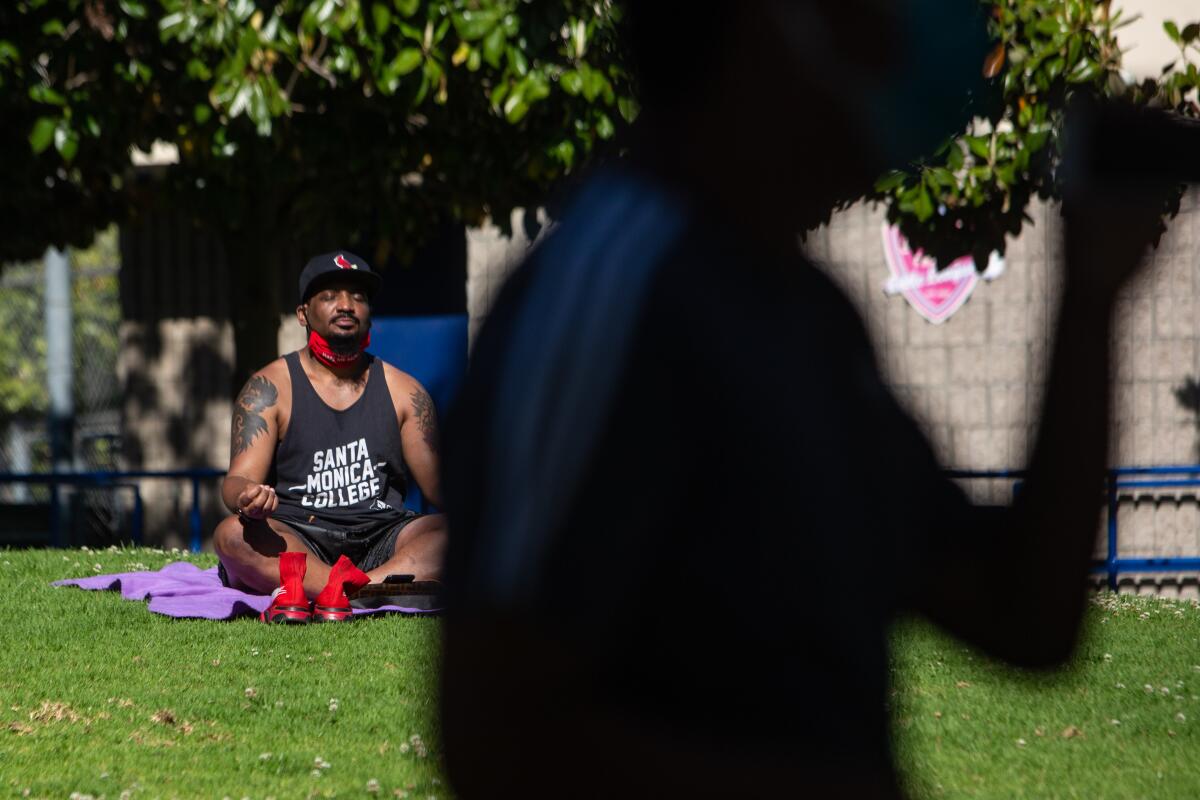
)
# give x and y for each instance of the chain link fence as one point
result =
(95, 516)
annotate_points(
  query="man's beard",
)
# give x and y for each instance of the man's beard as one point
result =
(344, 344)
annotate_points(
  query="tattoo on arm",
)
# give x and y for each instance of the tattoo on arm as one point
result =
(258, 395)
(426, 418)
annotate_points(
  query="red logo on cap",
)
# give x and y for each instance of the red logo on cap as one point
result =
(341, 261)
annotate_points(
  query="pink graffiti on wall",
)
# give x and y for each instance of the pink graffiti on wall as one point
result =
(935, 294)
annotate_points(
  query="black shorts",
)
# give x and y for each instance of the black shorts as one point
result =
(367, 548)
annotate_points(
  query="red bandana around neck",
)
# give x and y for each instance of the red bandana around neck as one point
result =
(319, 348)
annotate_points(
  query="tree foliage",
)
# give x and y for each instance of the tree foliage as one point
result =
(378, 119)
(973, 192)
(465, 106)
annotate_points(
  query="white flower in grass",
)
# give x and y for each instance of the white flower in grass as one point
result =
(316, 773)
(97, 567)
(1108, 656)
(333, 704)
(320, 763)
(404, 748)
(373, 786)
(1165, 690)
(264, 756)
(251, 692)
(1149, 689)
(1115, 721)
(1120, 686)
(1181, 717)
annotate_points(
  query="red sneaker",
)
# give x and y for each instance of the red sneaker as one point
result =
(332, 604)
(285, 609)
(289, 605)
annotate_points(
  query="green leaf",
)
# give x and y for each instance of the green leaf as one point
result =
(42, 134)
(571, 82)
(493, 47)
(1048, 26)
(517, 61)
(201, 113)
(604, 126)
(537, 87)
(382, 15)
(317, 14)
(53, 27)
(1085, 72)
(515, 109)
(628, 108)
(407, 60)
(173, 26)
(406, 7)
(1073, 49)
(41, 93)
(594, 82)
(1172, 31)
(134, 8)
(923, 205)
(1190, 33)
(8, 52)
(979, 146)
(474, 25)
(954, 157)
(66, 142)
(889, 181)
(564, 153)
(499, 94)
(942, 176)
(198, 70)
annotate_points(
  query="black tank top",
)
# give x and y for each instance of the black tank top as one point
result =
(341, 469)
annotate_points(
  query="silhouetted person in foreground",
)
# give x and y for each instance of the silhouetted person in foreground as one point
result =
(684, 507)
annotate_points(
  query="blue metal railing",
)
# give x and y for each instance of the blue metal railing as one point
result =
(118, 479)
(1118, 478)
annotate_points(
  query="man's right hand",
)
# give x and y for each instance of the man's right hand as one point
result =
(257, 501)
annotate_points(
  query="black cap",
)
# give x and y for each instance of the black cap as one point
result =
(340, 265)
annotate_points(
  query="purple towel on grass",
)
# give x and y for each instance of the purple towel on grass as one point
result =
(184, 590)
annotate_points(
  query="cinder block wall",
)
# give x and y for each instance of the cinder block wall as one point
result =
(975, 382)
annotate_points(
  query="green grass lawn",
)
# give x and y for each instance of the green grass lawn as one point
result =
(99, 697)
(1122, 722)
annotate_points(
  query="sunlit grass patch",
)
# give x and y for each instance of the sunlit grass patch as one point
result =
(100, 697)
(1121, 722)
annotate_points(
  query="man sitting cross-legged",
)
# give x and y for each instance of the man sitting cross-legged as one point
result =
(320, 442)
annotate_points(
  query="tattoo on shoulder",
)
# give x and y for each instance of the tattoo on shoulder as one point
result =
(257, 395)
(426, 418)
